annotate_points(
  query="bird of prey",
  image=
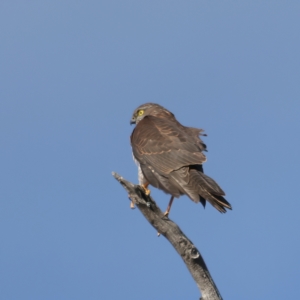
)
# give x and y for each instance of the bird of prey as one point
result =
(170, 157)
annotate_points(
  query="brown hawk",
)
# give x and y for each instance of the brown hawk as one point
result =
(169, 157)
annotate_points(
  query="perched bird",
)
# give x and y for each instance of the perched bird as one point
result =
(170, 157)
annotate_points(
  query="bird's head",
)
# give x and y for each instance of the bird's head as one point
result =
(149, 109)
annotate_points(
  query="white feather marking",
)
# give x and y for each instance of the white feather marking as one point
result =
(141, 177)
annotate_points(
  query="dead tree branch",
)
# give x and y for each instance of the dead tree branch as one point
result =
(185, 248)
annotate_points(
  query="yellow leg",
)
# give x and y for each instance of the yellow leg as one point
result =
(169, 207)
(145, 187)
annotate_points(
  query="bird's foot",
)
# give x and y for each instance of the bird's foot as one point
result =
(145, 188)
(132, 206)
(166, 214)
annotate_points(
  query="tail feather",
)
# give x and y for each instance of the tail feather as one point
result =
(209, 190)
(218, 202)
(200, 188)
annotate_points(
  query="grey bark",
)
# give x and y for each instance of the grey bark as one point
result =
(185, 248)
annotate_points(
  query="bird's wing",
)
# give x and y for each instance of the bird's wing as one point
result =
(164, 146)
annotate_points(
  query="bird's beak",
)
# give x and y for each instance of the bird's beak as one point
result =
(132, 121)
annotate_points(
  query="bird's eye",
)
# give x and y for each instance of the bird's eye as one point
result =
(141, 112)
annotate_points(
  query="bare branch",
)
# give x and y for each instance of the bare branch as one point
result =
(185, 248)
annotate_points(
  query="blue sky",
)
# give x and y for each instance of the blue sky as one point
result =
(71, 74)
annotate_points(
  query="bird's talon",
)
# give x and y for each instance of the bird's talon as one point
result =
(132, 206)
(146, 190)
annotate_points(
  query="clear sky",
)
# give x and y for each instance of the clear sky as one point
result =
(71, 74)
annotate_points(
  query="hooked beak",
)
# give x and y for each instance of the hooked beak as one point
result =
(132, 121)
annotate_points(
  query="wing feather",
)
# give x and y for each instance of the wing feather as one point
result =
(165, 145)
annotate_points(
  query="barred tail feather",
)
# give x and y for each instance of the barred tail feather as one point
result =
(208, 190)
